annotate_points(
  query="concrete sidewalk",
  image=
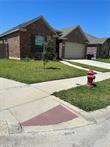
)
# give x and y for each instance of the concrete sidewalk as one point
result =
(6, 84)
(24, 103)
(58, 85)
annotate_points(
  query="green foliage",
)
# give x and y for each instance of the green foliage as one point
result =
(33, 72)
(86, 98)
(48, 53)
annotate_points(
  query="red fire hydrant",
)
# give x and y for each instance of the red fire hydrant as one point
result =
(90, 78)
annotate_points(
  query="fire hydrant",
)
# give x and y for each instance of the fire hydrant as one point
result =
(90, 78)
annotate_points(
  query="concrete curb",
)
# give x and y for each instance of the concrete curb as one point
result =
(14, 128)
(81, 112)
(3, 128)
(92, 116)
(7, 128)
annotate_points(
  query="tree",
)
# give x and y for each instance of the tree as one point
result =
(48, 53)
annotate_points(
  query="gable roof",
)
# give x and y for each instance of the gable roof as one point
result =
(57, 31)
(67, 31)
(24, 25)
(95, 40)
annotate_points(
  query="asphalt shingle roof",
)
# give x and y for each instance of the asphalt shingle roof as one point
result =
(62, 33)
(66, 31)
(95, 40)
(23, 25)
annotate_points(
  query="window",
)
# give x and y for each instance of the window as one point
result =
(39, 43)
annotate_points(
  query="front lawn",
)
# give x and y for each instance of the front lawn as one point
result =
(106, 60)
(33, 72)
(88, 99)
(89, 67)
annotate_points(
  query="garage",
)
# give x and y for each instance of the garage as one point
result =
(74, 50)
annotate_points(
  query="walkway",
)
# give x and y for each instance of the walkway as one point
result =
(33, 106)
(76, 66)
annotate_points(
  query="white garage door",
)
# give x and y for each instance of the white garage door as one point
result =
(74, 50)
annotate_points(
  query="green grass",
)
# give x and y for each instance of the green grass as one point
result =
(88, 99)
(106, 60)
(33, 72)
(89, 67)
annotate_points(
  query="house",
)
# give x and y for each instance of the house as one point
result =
(76, 44)
(28, 38)
(72, 43)
(98, 47)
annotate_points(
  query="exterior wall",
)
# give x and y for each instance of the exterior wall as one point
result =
(11, 45)
(2, 49)
(27, 38)
(92, 50)
(13, 41)
(104, 49)
(62, 49)
(76, 37)
(99, 50)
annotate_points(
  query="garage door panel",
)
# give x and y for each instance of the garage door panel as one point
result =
(74, 50)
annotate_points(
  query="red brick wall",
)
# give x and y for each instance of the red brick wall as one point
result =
(11, 45)
(21, 43)
(27, 40)
(76, 36)
(2, 49)
(14, 45)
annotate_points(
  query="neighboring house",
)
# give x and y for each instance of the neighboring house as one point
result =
(72, 43)
(75, 44)
(27, 40)
(98, 47)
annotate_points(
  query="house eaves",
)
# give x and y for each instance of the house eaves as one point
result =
(94, 40)
(23, 26)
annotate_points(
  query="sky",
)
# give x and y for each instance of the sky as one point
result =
(92, 15)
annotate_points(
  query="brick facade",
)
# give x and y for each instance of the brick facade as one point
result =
(11, 45)
(99, 50)
(2, 49)
(21, 44)
(27, 38)
(14, 45)
(75, 36)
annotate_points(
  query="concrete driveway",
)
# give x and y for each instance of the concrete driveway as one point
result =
(93, 63)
